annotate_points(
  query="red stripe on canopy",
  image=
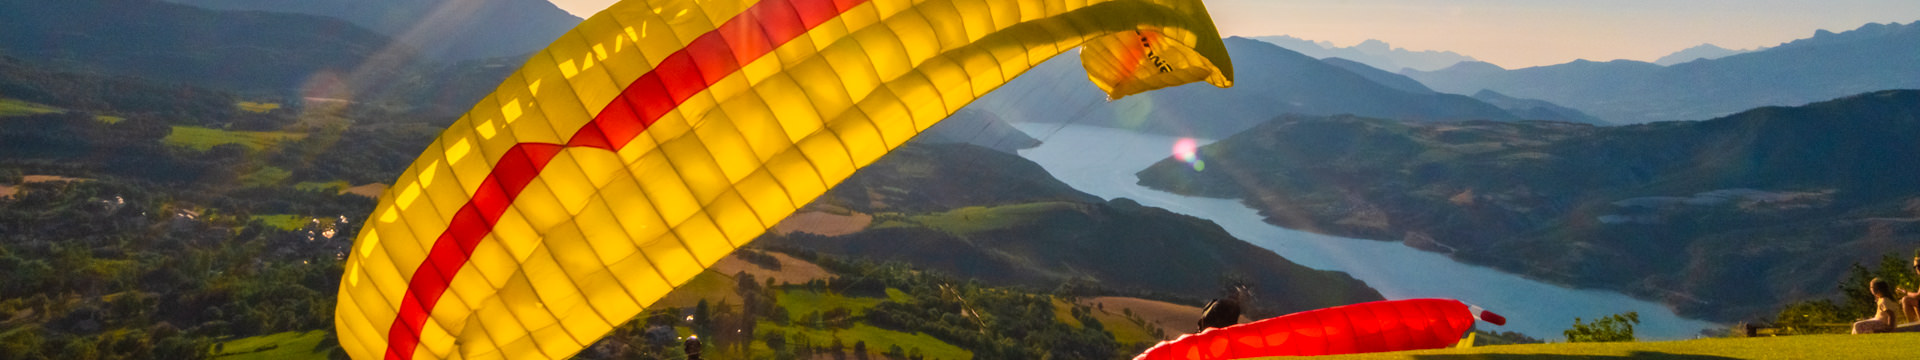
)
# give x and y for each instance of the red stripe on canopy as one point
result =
(703, 62)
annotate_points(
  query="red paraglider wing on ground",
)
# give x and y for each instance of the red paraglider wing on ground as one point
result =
(1379, 326)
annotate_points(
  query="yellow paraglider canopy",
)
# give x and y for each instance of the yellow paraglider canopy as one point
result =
(656, 137)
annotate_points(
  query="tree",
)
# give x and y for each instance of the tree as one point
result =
(860, 349)
(838, 348)
(1611, 328)
(703, 319)
(776, 340)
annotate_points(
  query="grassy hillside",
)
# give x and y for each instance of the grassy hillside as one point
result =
(930, 208)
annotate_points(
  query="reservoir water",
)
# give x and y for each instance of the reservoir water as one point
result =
(1102, 161)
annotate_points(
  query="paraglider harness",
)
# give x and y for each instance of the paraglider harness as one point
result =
(1225, 312)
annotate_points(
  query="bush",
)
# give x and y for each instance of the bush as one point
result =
(1612, 328)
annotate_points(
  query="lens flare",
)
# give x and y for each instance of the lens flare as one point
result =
(1187, 150)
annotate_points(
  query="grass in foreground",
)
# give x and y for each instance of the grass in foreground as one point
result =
(286, 345)
(1883, 346)
(200, 138)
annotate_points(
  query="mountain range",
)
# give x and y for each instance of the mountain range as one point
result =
(1271, 81)
(1375, 53)
(446, 30)
(255, 51)
(1704, 51)
(1725, 219)
(1825, 66)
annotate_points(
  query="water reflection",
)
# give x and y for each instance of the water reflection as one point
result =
(1102, 161)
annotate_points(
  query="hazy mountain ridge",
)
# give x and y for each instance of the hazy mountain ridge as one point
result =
(1375, 53)
(1703, 51)
(441, 29)
(253, 51)
(1271, 81)
(1535, 109)
(1828, 65)
(974, 212)
(969, 126)
(1391, 80)
(1726, 219)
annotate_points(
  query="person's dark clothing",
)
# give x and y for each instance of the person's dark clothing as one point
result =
(1220, 313)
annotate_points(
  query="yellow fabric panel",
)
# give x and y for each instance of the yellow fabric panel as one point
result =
(728, 148)
(598, 236)
(590, 88)
(797, 176)
(766, 196)
(606, 237)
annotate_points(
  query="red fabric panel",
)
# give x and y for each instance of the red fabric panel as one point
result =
(814, 12)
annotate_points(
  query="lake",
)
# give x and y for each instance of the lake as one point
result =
(1102, 161)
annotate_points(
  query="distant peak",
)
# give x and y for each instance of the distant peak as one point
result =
(1707, 46)
(1374, 45)
(1474, 66)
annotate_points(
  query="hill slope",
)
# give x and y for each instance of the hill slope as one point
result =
(1828, 65)
(1725, 219)
(1271, 81)
(979, 213)
(1535, 109)
(441, 29)
(178, 43)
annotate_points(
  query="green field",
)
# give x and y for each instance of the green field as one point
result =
(331, 187)
(200, 138)
(1885, 346)
(11, 107)
(974, 219)
(286, 345)
(267, 176)
(283, 221)
(1124, 331)
(878, 340)
(802, 302)
(257, 107)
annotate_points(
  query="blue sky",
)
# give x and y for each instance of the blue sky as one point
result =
(1521, 33)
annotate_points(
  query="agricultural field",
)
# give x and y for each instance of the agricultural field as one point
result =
(11, 107)
(202, 139)
(281, 346)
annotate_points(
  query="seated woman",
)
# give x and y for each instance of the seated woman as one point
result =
(1910, 301)
(1882, 320)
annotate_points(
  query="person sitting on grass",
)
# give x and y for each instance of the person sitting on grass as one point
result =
(1882, 320)
(1910, 301)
